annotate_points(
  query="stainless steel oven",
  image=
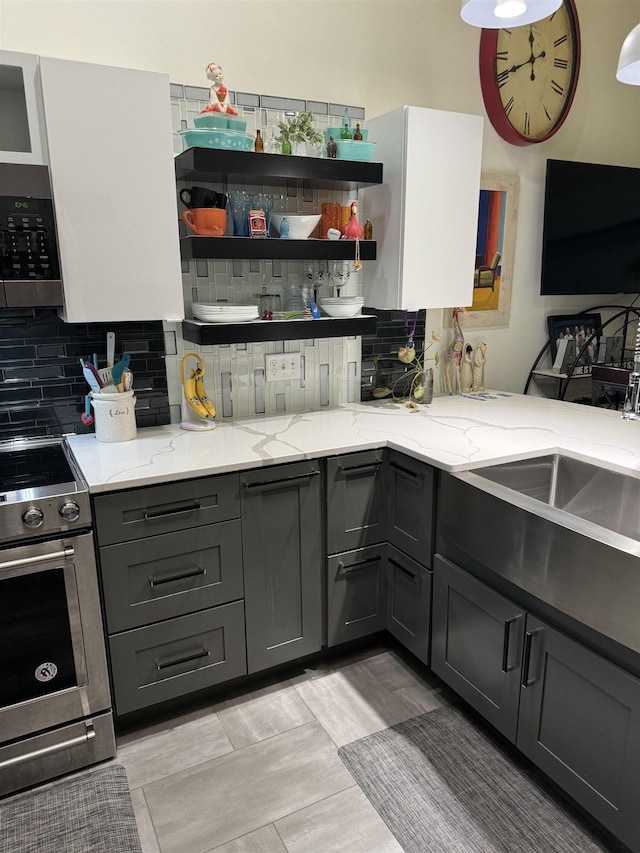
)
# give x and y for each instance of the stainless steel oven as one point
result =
(55, 707)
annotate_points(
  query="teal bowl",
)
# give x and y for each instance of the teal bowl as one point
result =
(350, 149)
(336, 131)
(215, 121)
(236, 124)
(228, 139)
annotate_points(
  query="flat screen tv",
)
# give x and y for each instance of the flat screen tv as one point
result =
(591, 232)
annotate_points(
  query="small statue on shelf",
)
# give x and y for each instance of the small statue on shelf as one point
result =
(478, 367)
(466, 370)
(218, 93)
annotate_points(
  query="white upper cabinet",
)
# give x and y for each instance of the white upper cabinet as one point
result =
(425, 213)
(110, 148)
(21, 130)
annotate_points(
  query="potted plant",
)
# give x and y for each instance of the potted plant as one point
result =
(415, 385)
(297, 132)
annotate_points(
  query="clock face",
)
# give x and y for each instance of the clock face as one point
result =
(529, 75)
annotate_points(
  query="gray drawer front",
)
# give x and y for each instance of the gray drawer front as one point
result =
(355, 594)
(177, 657)
(411, 506)
(137, 513)
(409, 603)
(170, 575)
(356, 501)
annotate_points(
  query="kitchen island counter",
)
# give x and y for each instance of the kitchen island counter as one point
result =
(453, 433)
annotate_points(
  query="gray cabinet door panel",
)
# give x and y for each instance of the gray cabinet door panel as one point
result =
(137, 513)
(408, 603)
(580, 723)
(153, 579)
(356, 501)
(355, 594)
(476, 644)
(177, 657)
(282, 535)
(411, 506)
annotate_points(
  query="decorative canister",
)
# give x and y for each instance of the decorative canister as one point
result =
(331, 217)
(114, 415)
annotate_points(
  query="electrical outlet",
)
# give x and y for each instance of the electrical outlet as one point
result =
(282, 366)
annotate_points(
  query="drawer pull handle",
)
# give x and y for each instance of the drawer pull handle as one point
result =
(367, 467)
(359, 565)
(163, 513)
(194, 574)
(415, 474)
(81, 740)
(414, 577)
(505, 643)
(528, 642)
(282, 480)
(204, 653)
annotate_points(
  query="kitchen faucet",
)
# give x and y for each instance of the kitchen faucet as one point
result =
(631, 408)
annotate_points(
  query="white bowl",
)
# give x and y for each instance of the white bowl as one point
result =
(340, 307)
(345, 300)
(300, 225)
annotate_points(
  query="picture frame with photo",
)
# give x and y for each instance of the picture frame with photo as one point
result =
(574, 342)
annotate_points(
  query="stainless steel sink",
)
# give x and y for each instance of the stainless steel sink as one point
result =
(565, 531)
(588, 491)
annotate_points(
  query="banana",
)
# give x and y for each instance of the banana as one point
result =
(201, 392)
(189, 386)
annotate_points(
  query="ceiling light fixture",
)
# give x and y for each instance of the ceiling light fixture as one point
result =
(499, 14)
(629, 62)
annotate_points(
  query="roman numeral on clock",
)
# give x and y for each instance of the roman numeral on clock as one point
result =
(557, 88)
(527, 124)
(509, 106)
(546, 112)
(560, 41)
(560, 63)
(502, 78)
(502, 55)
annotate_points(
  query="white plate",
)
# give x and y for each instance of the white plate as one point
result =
(227, 318)
(226, 309)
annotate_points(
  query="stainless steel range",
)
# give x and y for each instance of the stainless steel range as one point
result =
(55, 706)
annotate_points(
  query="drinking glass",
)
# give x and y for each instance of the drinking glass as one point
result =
(263, 201)
(240, 205)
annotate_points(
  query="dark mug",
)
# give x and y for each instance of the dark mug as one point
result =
(198, 197)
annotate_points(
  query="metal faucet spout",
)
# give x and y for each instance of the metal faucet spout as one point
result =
(631, 408)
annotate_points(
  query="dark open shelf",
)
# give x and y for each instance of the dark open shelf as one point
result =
(207, 334)
(247, 167)
(196, 248)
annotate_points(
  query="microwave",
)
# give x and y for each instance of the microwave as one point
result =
(29, 256)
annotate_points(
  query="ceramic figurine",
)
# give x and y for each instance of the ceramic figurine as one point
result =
(353, 230)
(218, 93)
(466, 370)
(478, 367)
(453, 356)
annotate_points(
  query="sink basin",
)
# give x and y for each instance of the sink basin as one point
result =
(588, 491)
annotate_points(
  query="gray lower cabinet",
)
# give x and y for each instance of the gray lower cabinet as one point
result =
(356, 501)
(355, 594)
(408, 602)
(411, 504)
(178, 656)
(282, 535)
(476, 644)
(572, 712)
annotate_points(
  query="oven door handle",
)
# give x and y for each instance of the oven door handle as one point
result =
(67, 553)
(49, 750)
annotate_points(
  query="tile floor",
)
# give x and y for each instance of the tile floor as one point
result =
(257, 771)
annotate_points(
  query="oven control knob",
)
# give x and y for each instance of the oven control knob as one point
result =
(33, 517)
(70, 511)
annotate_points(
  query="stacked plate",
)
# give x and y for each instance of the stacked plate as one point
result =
(218, 312)
(341, 306)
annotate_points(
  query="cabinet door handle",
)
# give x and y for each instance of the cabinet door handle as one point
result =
(367, 467)
(193, 574)
(413, 576)
(505, 643)
(415, 474)
(528, 643)
(163, 513)
(203, 653)
(355, 566)
(282, 480)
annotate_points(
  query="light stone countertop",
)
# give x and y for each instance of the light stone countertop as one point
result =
(454, 433)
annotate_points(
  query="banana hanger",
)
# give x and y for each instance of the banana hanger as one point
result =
(196, 408)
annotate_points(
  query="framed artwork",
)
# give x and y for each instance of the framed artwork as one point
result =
(567, 336)
(495, 245)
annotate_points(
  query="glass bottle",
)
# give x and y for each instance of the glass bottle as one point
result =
(332, 148)
(368, 230)
(357, 134)
(258, 145)
(346, 133)
(286, 146)
(284, 229)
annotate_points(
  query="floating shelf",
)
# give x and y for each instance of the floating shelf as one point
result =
(207, 334)
(247, 167)
(196, 248)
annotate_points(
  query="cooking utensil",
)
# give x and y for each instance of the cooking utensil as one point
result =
(127, 380)
(86, 417)
(119, 367)
(105, 375)
(91, 375)
(111, 348)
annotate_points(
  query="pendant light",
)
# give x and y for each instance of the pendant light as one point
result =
(499, 14)
(629, 62)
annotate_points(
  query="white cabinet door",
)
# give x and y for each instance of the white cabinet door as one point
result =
(425, 213)
(111, 159)
(21, 132)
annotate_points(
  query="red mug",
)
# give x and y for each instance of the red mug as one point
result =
(206, 221)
